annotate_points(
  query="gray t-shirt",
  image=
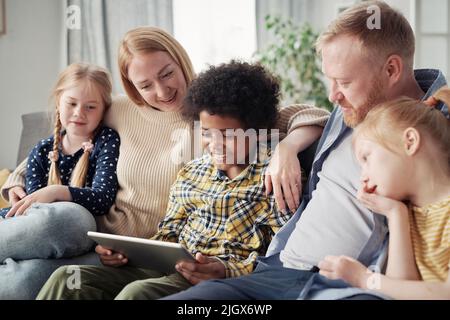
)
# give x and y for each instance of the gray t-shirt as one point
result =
(334, 221)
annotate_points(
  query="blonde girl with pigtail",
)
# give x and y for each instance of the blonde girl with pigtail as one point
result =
(75, 167)
(403, 148)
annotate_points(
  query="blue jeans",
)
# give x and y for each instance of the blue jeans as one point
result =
(4, 212)
(47, 231)
(265, 283)
(22, 280)
(32, 246)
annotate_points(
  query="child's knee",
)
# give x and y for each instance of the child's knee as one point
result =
(56, 285)
(137, 290)
(69, 213)
(60, 275)
(63, 219)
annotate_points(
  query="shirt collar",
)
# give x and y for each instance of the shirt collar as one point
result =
(430, 81)
(247, 173)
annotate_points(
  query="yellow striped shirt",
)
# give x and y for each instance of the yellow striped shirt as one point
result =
(230, 219)
(430, 233)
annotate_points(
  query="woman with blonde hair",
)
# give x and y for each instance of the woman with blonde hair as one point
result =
(156, 139)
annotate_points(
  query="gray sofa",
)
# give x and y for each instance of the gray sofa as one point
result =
(35, 126)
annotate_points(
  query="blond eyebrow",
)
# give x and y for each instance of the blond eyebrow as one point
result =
(164, 68)
(159, 73)
(92, 101)
(339, 79)
(359, 153)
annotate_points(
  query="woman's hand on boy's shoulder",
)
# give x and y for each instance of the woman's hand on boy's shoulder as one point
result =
(110, 258)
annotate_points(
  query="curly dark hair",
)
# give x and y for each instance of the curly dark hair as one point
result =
(244, 91)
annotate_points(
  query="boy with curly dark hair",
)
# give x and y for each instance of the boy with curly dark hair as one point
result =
(218, 208)
(244, 91)
(236, 104)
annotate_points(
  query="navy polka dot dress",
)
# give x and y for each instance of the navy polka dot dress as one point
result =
(101, 181)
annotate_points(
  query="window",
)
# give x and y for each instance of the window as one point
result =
(215, 31)
(433, 34)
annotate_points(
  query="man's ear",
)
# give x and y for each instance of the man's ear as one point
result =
(393, 69)
(411, 141)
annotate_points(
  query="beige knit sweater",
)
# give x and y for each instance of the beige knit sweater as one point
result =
(150, 142)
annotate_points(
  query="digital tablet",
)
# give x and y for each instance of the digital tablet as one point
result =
(144, 253)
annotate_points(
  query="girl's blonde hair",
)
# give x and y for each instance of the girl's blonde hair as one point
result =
(75, 73)
(385, 123)
(143, 40)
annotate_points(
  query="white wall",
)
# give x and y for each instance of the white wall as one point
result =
(324, 11)
(30, 59)
(404, 6)
(213, 31)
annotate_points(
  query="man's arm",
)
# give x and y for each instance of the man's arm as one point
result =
(300, 115)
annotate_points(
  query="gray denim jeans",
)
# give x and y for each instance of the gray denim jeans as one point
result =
(33, 246)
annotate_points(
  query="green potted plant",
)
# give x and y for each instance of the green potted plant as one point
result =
(293, 58)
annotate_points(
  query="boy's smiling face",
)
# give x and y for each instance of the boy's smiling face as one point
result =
(223, 137)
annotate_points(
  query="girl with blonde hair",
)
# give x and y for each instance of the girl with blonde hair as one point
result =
(403, 148)
(76, 164)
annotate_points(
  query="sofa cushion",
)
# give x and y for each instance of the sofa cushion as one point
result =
(35, 126)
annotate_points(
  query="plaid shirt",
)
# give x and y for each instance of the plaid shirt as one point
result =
(231, 219)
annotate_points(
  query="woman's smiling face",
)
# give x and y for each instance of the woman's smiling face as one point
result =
(159, 80)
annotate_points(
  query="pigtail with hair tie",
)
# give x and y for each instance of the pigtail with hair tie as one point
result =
(53, 156)
(87, 146)
(431, 102)
(53, 174)
(78, 178)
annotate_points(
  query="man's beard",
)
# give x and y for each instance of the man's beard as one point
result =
(374, 97)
